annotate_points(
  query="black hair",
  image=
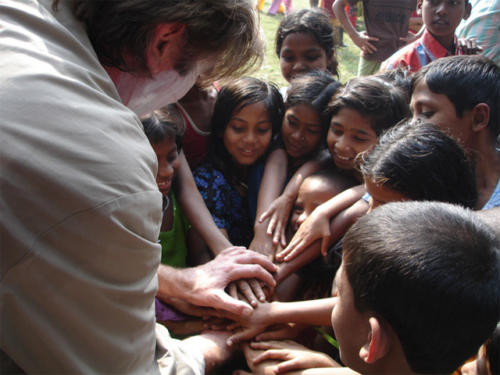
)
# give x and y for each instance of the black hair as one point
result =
(163, 123)
(311, 21)
(431, 270)
(466, 81)
(314, 88)
(379, 100)
(233, 97)
(421, 162)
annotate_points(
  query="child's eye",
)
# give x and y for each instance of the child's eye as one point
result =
(288, 58)
(292, 123)
(360, 139)
(313, 131)
(312, 58)
(337, 132)
(426, 114)
(263, 130)
(298, 210)
(237, 129)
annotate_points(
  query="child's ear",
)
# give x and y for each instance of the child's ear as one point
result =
(480, 116)
(378, 342)
(164, 46)
(468, 9)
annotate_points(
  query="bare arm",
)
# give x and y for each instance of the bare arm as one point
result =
(317, 225)
(313, 312)
(361, 40)
(195, 209)
(272, 183)
(279, 210)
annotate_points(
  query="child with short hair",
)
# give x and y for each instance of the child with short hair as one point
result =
(461, 95)
(304, 42)
(411, 277)
(441, 18)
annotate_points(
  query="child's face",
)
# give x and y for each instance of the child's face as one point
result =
(168, 163)
(350, 326)
(379, 194)
(349, 135)
(248, 133)
(301, 130)
(300, 53)
(440, 111)
(312, 192)
(441, 17)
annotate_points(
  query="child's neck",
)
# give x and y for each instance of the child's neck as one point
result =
(447, 41)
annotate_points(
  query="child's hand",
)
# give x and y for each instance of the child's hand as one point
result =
(279, 212)
(282, 332)
(292, 355)
(251, 326)
(363, 42)
(250, 290)
(316, 226)
(469, 46)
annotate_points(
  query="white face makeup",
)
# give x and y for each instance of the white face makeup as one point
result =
(143, 94)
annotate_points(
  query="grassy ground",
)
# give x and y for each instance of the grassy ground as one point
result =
(347, 56)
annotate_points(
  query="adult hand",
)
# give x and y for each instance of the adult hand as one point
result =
(316, 226)
(291, 356)
(278, 212)
(363, 41)
(205, 285)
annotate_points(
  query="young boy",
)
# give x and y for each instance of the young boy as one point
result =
(441, 18)
(461, 95)
(417, 291)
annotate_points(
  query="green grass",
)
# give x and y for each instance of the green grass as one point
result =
(270, 70)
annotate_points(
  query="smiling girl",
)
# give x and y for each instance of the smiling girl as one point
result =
(304, 42)
(247, 115)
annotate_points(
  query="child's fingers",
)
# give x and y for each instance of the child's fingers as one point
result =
(262, 345)
(244, 335)
(278, 334)
(272, 225)
(232, 290)
(247, 292)
(325, 242)
(257, 289)
(277, 232)
(276, 354)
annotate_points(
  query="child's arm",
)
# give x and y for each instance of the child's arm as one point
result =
(362, 40)
(279, 210)
(272, 183)
(285, 356)
(195, 209)
(313, 312)
(317, 225)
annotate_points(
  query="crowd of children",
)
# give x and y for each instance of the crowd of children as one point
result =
(296, 173)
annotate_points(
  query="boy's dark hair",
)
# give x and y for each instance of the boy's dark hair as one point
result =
(431, 270)
(420, 161)
(377, 99)
(466, 81)
(311, 21)
(163, 123)
(233, 97)
(337, 178)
